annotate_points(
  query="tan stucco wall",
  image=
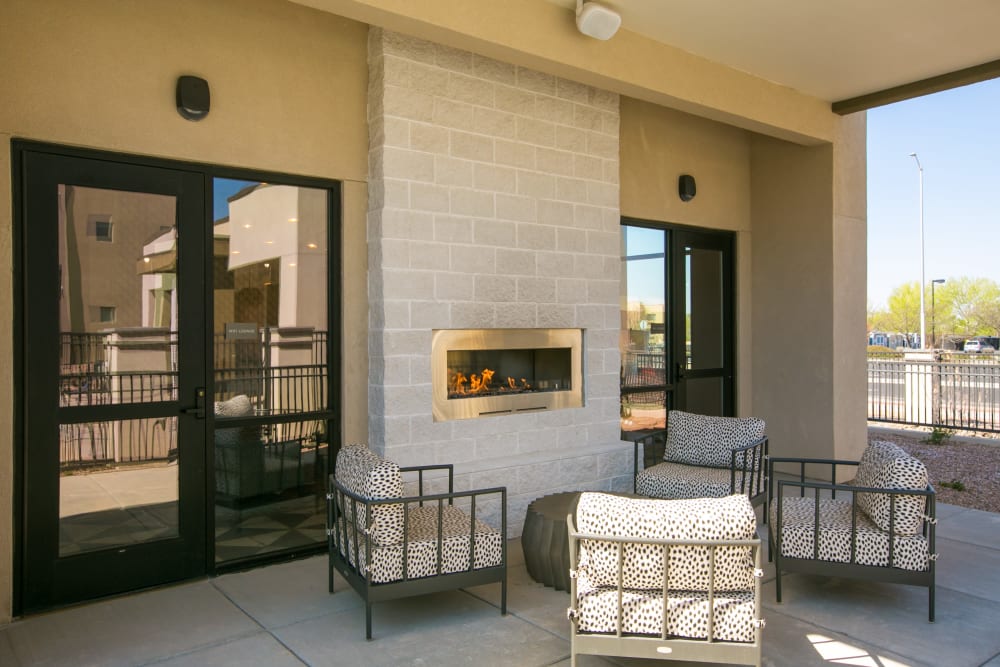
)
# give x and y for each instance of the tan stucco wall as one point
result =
(793, 382)
(809, 255)
(288, 94)
(660, 144)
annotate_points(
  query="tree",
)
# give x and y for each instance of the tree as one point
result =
(904, 309)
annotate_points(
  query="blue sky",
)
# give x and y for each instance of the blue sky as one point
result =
(956, 134)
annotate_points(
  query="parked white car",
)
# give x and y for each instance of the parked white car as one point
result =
(975, 345)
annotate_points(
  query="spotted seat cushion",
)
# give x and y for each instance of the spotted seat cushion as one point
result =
(422, 546)
(677, 480)
(910, 552)
(726, 518)
(365, 473)
(687, 613)
(885, 465)
(700, 440)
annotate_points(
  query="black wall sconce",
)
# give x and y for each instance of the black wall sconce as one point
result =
(193, 97)
(686, 188)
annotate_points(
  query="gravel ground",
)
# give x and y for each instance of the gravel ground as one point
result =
(971, 462)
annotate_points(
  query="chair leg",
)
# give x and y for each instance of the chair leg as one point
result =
(930, 604)
(777, 583)
(368, 620)
(503, 596)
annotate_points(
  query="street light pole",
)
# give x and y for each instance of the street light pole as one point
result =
(936, 281)
(923, 319)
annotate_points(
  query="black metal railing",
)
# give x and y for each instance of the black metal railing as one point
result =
(944, 394)
(88, 378)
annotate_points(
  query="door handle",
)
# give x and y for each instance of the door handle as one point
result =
(680, 370)
(198, 411)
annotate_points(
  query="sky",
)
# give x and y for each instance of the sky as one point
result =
(956, 135)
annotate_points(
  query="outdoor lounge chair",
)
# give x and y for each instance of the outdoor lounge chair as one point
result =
(849, 536)
(667, 579)
(387, 545)
(703, 457)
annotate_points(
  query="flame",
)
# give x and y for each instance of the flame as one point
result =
(480, 383)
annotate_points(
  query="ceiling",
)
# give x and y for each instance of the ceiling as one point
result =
(831, 49)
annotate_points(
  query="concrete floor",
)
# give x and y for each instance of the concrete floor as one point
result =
(282, 615)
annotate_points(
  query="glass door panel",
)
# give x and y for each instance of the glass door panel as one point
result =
(703, 328)
(643, 340)
(119, 484)
(270, 329)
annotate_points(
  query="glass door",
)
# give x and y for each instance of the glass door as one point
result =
(112, 295)
(703, 322)
(676, 339)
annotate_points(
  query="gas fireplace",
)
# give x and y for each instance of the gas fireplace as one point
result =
(488, 372)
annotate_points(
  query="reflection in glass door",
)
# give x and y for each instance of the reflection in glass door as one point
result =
(677, 324)
(270, 328)
(644, 382)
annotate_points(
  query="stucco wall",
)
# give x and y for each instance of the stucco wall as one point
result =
(793, 288)
(288, 94)
(660, 144)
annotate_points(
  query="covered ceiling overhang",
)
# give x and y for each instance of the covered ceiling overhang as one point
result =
(843, 55)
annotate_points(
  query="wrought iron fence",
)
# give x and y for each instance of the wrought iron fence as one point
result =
(87, 378)
(944, 394)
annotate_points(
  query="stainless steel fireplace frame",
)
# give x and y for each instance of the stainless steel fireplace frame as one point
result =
(442, 340)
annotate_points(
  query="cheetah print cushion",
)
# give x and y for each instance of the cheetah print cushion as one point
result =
(365, 473)
(422, 546)
(910, 552)
(884, 465)
(731, 517)
(687, 613)
(237, 406)
(700, 440)
(676, 480)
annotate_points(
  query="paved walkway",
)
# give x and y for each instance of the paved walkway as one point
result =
(282, 615)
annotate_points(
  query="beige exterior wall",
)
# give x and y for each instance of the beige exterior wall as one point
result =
(660, 144)
(288, 95)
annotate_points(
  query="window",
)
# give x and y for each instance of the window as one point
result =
(100, 227)
(106, 314)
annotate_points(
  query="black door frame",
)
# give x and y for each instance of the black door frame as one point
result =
(724, 243)
(205, 173)
(674, 293)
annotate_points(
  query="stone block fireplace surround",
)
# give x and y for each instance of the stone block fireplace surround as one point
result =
(493, 204)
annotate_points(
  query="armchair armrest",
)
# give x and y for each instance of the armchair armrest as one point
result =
(751, 461)
(420, 470)
(802, 463)
(656, 439)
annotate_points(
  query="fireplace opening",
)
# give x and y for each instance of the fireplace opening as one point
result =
(475, 373)
(490, 372)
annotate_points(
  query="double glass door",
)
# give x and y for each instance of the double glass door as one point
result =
(677, 324)
(175, 383)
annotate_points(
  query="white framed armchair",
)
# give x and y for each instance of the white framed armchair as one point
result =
(665, 579)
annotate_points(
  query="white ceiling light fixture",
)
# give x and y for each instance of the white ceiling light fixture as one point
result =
(595, 20)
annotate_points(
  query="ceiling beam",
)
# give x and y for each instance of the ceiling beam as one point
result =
(934, 84)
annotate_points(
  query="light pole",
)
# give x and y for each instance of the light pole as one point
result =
(923, 319)
(936, 281)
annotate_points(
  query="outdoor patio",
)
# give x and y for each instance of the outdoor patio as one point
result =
(282, 615)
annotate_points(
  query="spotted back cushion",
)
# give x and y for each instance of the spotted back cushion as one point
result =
(237, 406)
(367, 474)
(731, 517)
(700, 440)
(886, 466)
